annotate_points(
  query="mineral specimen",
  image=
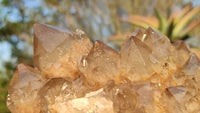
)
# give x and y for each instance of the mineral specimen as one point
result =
(73, 75)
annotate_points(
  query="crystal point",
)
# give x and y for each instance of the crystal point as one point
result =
(101, 64)
(192, 64)
(182, 52)
(57, 51)
(139, 33)
(160, 45)
(135, 58)
(49, 36)
(178, 92)
(23, 90)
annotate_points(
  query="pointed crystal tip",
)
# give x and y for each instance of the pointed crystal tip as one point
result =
(57, 51)
(49, 36)
(102, 63)
(178, 92)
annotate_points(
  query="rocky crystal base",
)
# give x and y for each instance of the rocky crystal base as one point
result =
(73, 75)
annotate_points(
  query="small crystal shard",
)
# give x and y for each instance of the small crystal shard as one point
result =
(178, 92)
(71, 75)
(191, 65)
(182, 52)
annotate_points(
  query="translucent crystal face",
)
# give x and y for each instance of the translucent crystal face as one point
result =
(57, 51)
(24, 86)
(73, 75)
(101, 64)
(135, 59)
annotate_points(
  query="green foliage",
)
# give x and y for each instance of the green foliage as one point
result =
(162, 22)
(178, 25)
(186, 23)
(4, 83)
(11, 28)
(7, 2)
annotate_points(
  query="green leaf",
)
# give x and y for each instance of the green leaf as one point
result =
(180, 26)
(183, 12)
(4, 83)
(7, 2)
(141, 21)
(191, 28)
(162, 22)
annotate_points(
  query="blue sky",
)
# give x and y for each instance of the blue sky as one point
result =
(5, 52)
(13, 16)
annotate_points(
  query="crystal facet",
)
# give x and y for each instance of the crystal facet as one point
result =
(101, 64)
(178, 92)
(24, 86)
(56, 50)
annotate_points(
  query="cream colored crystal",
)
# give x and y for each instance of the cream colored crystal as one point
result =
(60, 90)
(56, 50)
(71, 75)
(182, 52)
(24, 86)
(101, 64)
(85, 105)
(125, 99)
(137, 61)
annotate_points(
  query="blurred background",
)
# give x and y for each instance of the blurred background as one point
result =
(110, 21)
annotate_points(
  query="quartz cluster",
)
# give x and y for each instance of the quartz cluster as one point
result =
(73, 75)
